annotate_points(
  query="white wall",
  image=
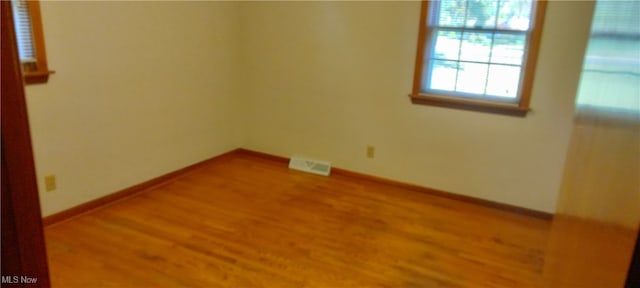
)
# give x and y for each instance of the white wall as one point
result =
(141, 89)
(145, 88)
(325, 79)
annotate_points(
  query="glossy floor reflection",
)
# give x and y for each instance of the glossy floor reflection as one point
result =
(248, 221)
(587, 254)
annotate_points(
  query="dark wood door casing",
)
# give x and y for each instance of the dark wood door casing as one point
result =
(23, 247)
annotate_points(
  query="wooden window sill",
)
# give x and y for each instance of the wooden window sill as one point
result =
(37, 77)
(470, 104)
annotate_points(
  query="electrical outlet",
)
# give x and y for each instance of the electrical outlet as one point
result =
(371, 151)
(50, 182)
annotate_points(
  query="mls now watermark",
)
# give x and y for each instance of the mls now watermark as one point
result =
(19, 280)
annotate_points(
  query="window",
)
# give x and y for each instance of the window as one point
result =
(28, 26)
(478, 54)
(611, 71)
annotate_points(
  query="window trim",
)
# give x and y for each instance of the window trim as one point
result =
(520, 108)
(41, 72)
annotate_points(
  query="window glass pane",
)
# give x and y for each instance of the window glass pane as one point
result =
(515, 14)
(481, 13)
(611, 69)
(443, 75)
(508, 48)
(471, 78)
(451, 13)
(492, 10)
(503, 81)
(462, 13)
(488, 14)
(611, 74)
(475, 47)
(447, 45)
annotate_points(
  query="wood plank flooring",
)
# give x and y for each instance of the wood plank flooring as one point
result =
(246, 221)
(586, 254)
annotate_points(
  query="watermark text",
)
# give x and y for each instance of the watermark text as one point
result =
(18, 280)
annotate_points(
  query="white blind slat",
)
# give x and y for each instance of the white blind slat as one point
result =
(611, 71)
(24, 33)
(617, 17)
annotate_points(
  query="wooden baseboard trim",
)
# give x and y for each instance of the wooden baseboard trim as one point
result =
(444, 194)
(128, 192)
(161, 180)
(262, 155)
(430, 191)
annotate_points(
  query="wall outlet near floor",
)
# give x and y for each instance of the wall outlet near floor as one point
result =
(371, 151)
(50, 183)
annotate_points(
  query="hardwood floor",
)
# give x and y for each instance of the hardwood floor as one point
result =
(585, 254)
(246, 221)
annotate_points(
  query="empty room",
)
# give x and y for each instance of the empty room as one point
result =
(453, 143)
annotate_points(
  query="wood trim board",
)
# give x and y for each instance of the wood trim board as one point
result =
(128, 192)
(23, 247)
(430, 191)
(133, 190)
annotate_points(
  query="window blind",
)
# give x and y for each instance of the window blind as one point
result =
(611, 70)
(616, 18)
(24, 32)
